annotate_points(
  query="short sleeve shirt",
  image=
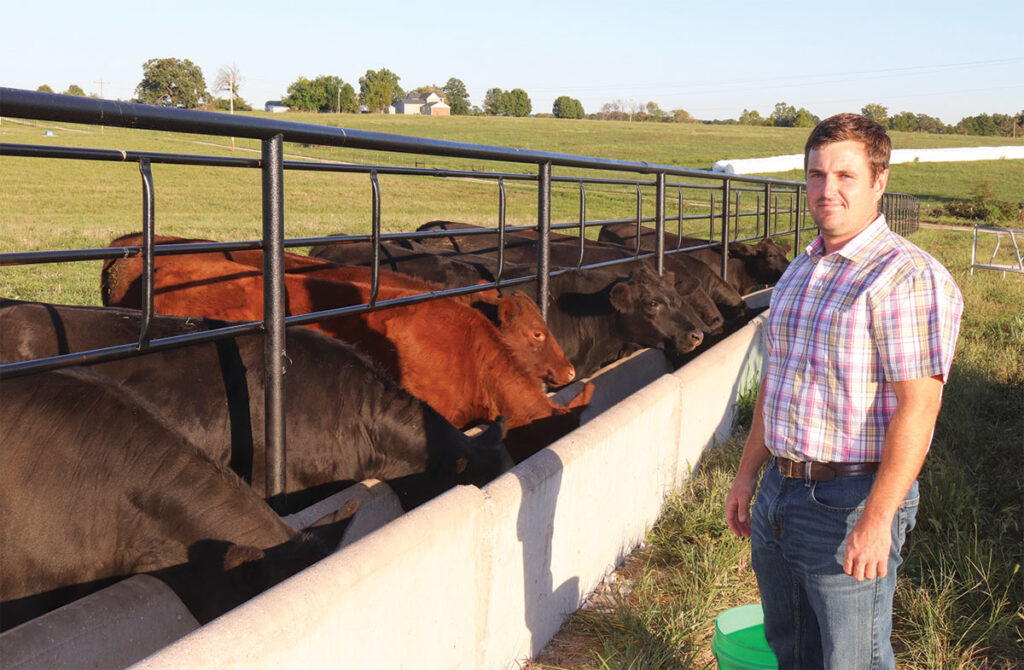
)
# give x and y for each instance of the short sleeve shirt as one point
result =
(841, 328)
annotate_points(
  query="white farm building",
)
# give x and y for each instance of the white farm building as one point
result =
(431, 105)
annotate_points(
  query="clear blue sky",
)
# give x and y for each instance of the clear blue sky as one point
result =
(714, 59)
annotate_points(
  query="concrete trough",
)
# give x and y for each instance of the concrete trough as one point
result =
(476, 578)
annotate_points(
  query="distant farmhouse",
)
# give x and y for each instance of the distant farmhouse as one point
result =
(275, 106)
(432, 105)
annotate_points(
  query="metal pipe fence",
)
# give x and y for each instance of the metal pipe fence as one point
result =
(722, 201)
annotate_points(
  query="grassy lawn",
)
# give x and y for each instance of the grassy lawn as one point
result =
(958, 604)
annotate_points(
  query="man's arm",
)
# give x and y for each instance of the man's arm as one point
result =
(906, 444)
(737, 502)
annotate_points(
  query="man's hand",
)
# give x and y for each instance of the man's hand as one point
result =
(867, 549)
(737, 506)
(737, 503)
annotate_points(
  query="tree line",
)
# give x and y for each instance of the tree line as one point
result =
(785, 115)
(180, 83)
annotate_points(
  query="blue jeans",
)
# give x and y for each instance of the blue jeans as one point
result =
(817, 616)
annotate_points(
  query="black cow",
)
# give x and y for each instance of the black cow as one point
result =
(346, 421)
(704, 291)
(409, 258)
(749, 264)
(600, 315)
(96, 486)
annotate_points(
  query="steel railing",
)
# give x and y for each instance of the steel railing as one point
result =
(722, 196)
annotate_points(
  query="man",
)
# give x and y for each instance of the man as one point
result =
(860, 339)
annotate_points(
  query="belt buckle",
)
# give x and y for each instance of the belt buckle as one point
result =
(788, 468)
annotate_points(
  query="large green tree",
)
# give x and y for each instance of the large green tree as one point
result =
(805, 119)
(494, 102)
(788, 116)
(517, 103)
(904, 121)
(876, 112)
(172, 82)
(326, 93)
(784, 115)
(751, 117)
(982, 124)
(75, 89)
(379, 88)
(457, 96)
(567, 108)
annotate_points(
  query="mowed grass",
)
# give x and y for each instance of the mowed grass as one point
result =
(959, 602)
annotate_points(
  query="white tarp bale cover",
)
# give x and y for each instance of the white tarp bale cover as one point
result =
(796, 161)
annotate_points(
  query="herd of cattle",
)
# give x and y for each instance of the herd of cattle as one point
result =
(155, 464)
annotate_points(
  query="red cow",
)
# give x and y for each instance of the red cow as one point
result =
(519, 320)
(443, 351)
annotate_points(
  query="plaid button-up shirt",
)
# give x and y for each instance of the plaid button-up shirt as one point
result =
(840, 329)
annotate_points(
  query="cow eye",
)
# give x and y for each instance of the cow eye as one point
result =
(538, 335)
(652, 303)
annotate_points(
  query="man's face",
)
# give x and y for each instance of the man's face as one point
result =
(842, 196)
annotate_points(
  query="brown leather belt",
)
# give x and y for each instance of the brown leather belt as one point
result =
(822, 472)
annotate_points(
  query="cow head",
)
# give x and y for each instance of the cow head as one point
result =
(523, 329)
(651, 312)
(765, 261)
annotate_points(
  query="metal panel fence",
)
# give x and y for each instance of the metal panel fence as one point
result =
(734, 208)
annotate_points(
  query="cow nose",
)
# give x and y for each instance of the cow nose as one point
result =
(570, 373)
(697, 337)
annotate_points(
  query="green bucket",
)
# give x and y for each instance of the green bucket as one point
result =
(739, 642)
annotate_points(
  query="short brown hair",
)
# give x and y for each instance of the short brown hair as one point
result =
(843, 127)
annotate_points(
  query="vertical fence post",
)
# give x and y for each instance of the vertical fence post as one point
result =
(799, 211)
(679, 239)
(974, 249)
(375, 234)
(639, 217)
(501, 230)
(543, 235)
(583, 223)
(273, 320)
(711, 217)
(148, 211)
(736, 218)
(659, 223)
(725, 229)
(767, 209)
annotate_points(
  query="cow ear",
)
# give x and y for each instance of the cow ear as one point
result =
(510, 306)
(621, 296)
(741, 249)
